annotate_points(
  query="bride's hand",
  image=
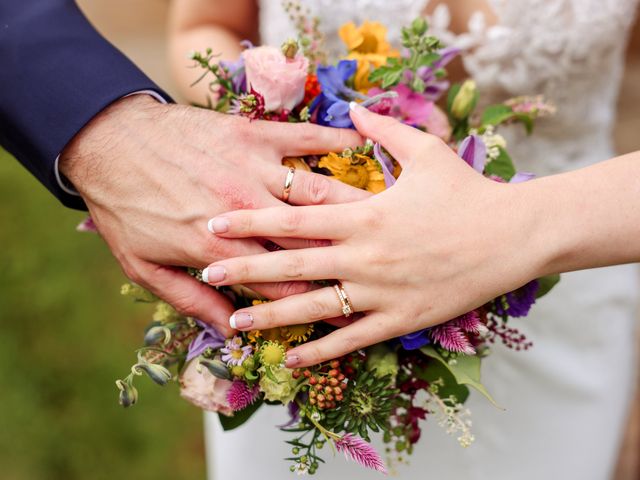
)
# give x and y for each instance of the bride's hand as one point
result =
(413, 256)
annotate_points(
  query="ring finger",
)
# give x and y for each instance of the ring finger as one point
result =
(308, 307)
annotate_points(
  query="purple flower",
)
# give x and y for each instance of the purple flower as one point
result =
(236, 73)
(415, 340)
(386, 164)
(240, 395)
(233, 353)
(87, 225)
(209, 337)
(294, 412)
(473, 151)
(520, 177)
(519, 302)
(333, 102)
(434, 87)
(409, 107)
(357, 449)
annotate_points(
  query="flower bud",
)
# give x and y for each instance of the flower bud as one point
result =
(159, 374)
(419, 26)
(128, 393)
(217, 368)
(157, 334)
(465, 100)
(290, 48)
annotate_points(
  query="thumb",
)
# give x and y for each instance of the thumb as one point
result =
(399, 139)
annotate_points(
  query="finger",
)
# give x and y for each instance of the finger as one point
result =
(298, 309)
(369, 330)
(282, 266)
(401, 140)
(187, 295)
(327, 222)
(312, 188)
(291, 139)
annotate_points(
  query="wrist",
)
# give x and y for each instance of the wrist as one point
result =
(80, 159)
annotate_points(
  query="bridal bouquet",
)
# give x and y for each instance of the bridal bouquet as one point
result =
(392, 387)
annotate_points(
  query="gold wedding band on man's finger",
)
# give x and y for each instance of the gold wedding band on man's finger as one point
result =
(288, 183)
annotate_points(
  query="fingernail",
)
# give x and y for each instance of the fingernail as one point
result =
(241, 320)
(292, 361)
(355, 107)
(218, 225)
(214, 274)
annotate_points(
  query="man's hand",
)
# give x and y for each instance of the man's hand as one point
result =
(152, 175)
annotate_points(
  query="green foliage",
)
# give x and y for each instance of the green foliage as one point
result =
(465, 369)
(546, 284)
(502, 166)
(239, 418)
(65, 334)
(498, 114)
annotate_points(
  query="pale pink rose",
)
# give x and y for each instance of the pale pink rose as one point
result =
(438, 124)
(278, 79)
(204, 389)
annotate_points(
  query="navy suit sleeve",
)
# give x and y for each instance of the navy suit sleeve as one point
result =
(56, 74)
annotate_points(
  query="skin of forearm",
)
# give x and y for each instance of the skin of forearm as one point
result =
(586, 218)
(196, 25)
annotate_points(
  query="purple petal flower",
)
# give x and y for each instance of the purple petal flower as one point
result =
(469, 322)
(447, 54)
(520, 177)
(386, 164)
(87, 225)
(357, 449)
(333, 102)
(209, 337)
(236, 74)
(473, 151)
(294, 413)
(415, 340)
(519, 302)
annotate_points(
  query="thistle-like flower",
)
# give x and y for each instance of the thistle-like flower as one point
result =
(452, 338)
(241, 395)
(360, 451)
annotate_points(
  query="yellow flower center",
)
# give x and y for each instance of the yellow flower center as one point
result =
(272, 353)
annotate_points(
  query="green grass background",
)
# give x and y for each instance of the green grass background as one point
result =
(66, 334)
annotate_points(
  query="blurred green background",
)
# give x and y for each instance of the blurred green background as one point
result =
(66, 334)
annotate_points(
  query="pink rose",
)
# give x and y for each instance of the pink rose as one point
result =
(204, 389)
(278, 79)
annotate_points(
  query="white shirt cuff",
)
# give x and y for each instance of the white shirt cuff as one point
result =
(63, 183)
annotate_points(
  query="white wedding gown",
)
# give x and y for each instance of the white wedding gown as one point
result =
(567, 398)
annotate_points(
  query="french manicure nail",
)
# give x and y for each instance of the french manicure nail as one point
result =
(218, 225)
(354, 107)
(292, 361)
(214, 274)
(241, 320)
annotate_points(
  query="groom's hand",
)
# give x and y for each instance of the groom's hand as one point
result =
(152, 175)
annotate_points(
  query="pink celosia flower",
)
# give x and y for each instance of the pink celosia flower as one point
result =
(452, 338)
(278, 79)
(413, 108)
(240, 395)
(87, 225)
(357, 449)
(470, 322)
(200, 387)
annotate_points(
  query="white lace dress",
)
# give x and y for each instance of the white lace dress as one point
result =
(566, 399)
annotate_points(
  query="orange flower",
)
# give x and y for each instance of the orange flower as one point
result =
(368, 45)
(357, 170)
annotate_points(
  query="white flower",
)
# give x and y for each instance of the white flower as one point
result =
(200, 387)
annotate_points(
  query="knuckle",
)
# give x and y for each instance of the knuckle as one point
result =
(290, 220)
(214, 248)
(307, 133)
(294, 266)
(268, 316)
(286, 289)
(186, 306)
(349, 343)
(318, 188)
(370, 219)
(317, 310)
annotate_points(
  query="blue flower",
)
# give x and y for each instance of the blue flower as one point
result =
(333, 102)
(415, 340)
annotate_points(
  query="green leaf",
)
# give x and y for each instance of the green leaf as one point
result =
(453, 91)
(502, 166)
(427, 59)
(466, 370)
(497, 114)
(526, 120)
(436, 370)
(546, 284)
(238, 418)
(391, 78)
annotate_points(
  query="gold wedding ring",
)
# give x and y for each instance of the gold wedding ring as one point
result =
(288, 182)
(347, 307)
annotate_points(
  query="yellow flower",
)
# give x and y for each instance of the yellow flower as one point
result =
(272, 354)
(297, 163)
(368, 45)
(357, 170)
(297, 333)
